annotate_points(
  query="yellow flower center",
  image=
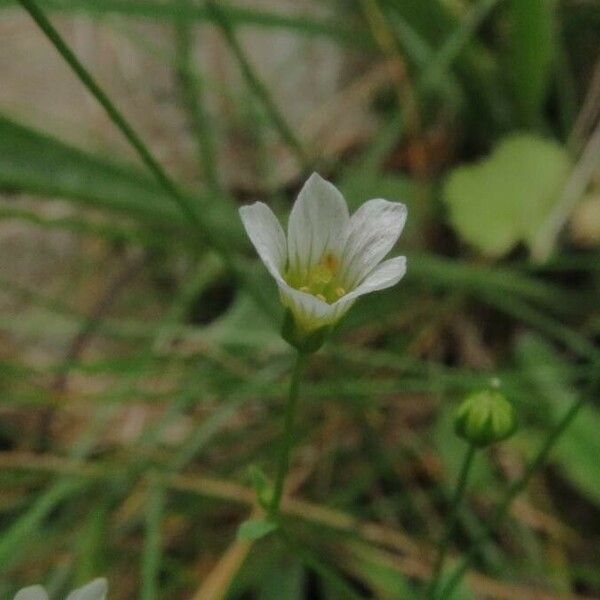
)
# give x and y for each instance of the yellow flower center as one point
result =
(321, 280)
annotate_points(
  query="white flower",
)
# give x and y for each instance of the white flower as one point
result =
(329, 259)
(96, 590)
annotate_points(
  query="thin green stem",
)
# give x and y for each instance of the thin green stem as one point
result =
(187, 204)
(152, 555)
(256, 85)
(191, 91)
(442, 61)
(451, 519)
(288, 432)
(112, 111)
(15, 538)
(168, 12)
(513, 491)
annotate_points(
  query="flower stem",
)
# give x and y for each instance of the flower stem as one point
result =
(457, 498)
(513, 491)
(288, 432)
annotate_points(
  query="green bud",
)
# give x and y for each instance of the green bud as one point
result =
(262, 485)
(304, 341)
(485, 418)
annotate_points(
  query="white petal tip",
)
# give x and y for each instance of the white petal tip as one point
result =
(251, 208)
(95, 590)
(33, 592)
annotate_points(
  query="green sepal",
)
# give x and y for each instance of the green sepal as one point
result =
(254, 529)
(484, 418)
(304, 341)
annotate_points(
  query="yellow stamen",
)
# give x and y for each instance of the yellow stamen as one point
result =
(321, 274)
(320, 280)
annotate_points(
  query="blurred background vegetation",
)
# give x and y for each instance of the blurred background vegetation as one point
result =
(140, 376)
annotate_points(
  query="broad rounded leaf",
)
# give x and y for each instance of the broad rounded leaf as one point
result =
(506, 198)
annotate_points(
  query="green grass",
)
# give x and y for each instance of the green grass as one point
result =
(146, 383)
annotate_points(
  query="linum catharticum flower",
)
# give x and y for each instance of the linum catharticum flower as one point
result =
(328, 258)
(95, 590)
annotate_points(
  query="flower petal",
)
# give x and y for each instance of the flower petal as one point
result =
(308, 310)
(387, 274)
(374, 229)
(266, 234)
(33, 592)
(318, 224)
(95, 590)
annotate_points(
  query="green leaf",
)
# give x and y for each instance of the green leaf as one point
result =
(577, 452)
(385, 580)
(254, 529)
(461, 592)
(90, 546)
(152, 549)
(29, 525)
(36, 163)
(39, 164)
(162, 11)
(505, 199)
(283, 581)
(531, 55)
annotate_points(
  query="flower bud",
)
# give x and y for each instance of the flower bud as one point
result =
(485, 418)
